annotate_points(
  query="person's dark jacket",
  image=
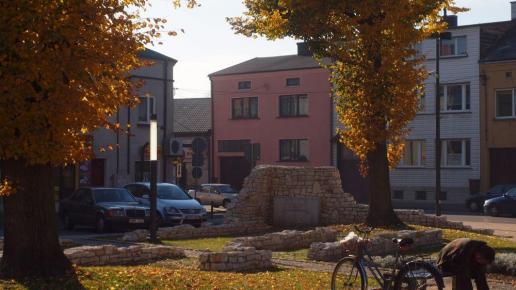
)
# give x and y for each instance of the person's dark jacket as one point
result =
(458, 258)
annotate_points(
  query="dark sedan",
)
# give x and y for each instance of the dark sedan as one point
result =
(476, 202)
(503, 205)
(104, 209)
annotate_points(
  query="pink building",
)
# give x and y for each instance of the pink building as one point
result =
(271, 110)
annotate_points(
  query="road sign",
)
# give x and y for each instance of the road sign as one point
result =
(197, 172)
(199, 145)
(197, 159)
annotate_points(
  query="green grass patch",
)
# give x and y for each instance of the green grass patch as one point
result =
(212, 244)
(176, 275)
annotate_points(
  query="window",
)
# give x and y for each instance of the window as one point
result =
(414, 153)
(418, 47)
(398, 194)
(294, 150)
(421, 195)
(454, 46)
(455, 97)
(505, 104)
(142, 171)
(245, 85)
(456, 153)
(146, 109)
(232, 145)
(244, 108)
(293, 105)
(293, 82)
(443, 195)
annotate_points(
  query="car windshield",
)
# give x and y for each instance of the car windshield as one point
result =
(171, 192)
(512, 192)
(498, 189)
(225, 189)
(113, 195)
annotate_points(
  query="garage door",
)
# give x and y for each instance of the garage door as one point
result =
(502, 166)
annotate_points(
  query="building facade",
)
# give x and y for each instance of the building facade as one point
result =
(121, 157)
(413, 181)
(272, 110)
(498, 117)
(192, 131)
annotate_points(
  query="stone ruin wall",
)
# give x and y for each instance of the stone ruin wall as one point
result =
(255, 201)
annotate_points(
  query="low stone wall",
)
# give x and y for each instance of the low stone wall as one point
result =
(182, 232)
(111, 255)
(380, 245)
(241, 260)
(285, 240)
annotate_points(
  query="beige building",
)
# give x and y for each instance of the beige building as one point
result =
(498, 114)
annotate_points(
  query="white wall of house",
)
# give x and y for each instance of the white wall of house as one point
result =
(454, 125)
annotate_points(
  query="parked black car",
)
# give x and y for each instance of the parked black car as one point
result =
(103, 208)
(502, 205)
(476, 202)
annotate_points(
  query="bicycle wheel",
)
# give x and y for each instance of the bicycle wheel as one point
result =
(348, 274)
(418, 276)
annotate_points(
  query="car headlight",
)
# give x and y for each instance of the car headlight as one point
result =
(171, 210)
(116, 212)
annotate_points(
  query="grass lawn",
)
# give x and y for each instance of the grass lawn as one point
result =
(176, 274)
(212, 244)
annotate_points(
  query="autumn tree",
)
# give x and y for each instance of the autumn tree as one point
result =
(367, 45)
(64, 68)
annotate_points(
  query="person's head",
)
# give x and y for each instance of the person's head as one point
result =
(484, 255)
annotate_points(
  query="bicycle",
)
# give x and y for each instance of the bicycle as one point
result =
(406, 273)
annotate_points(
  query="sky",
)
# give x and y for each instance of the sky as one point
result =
(208, 44)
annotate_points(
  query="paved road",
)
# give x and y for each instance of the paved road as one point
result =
(503, 226)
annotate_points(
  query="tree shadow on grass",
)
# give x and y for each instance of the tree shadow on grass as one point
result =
(68, 282)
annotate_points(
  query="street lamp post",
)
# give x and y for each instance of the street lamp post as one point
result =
(438, 38)
(153, 178)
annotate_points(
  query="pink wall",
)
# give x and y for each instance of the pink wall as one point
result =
(269, 128)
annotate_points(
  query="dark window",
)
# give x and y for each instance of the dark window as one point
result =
(293, 82)
(443, 195)
(245, 85)
(85, 197)
(455, 97)
(420, 195)
(142, 171)
(505, 106)
(398, 194)
(293, 105)
(232, 145)
(294, 150)
(244, 108)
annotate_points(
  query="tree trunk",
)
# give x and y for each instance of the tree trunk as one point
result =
(381, 212)
(31, 243)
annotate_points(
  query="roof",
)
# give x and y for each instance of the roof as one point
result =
(152, 54)
(192, 115)
(270, 64)
(504, 49)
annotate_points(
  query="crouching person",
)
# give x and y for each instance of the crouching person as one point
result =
(466, 259)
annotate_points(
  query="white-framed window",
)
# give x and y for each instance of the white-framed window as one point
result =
(414, 154)
(293, 106)
(455, 97)
(244, 108)
(456, 46)
(294, 150)
(146, 109)
(505, 104)
(456, 153)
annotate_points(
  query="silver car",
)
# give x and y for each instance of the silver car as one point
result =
(216, 193)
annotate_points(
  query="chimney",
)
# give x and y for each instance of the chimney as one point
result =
(513, 10)
(452, 20)
(302, 49)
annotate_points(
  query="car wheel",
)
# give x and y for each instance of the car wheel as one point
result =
(67, 223)
(225, 203)
(473, 206)
(100, 224)
(493, 211)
